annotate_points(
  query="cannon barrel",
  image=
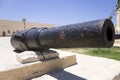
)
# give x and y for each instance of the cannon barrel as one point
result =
(93, 34)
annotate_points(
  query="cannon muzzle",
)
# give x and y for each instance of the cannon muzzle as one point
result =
(93, 34)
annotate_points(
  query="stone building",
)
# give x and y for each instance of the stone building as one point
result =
(118, 20)
(8, 27)
(118, 17)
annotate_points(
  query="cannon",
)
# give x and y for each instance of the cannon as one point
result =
(92, 34)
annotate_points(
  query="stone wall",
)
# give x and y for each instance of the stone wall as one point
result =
(8, 27)
(118, 21)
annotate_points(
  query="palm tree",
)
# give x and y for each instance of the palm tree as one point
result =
(24, 21)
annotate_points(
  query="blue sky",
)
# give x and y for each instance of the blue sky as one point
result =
(58, 12)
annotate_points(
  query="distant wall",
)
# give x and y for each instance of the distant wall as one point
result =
(7, 28)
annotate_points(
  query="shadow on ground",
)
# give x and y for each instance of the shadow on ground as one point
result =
(64, 75)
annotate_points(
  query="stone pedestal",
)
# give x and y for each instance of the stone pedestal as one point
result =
(32, 56)
(34, 69)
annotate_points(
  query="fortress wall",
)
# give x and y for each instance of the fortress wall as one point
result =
(7, 27)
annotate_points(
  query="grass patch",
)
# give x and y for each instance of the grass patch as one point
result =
(112, 53)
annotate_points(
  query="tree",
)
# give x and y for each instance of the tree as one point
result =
(113, 13)
(118, 5)
(24, 21)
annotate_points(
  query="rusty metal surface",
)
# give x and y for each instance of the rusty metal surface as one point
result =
(93, 34)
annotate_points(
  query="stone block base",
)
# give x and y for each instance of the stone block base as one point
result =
(32, 56)
(32, 70)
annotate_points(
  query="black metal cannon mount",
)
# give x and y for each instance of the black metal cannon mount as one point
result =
(93, 34)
